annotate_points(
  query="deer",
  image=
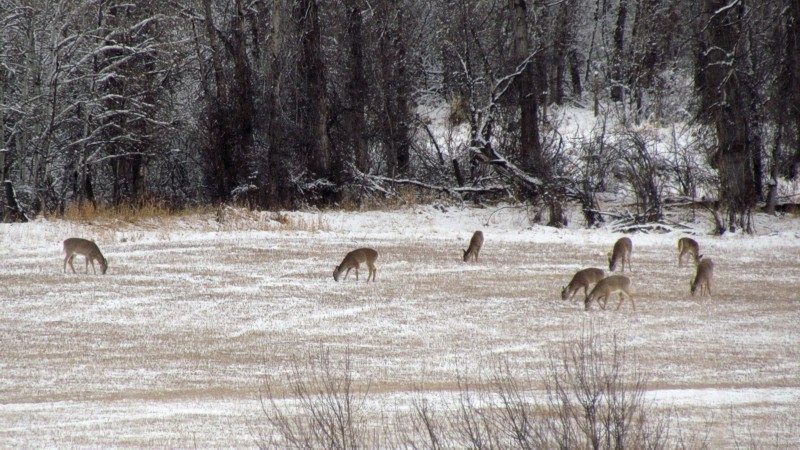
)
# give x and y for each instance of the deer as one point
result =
(353, 260)
(688, 246)
(609, 286)
(475, 245)
(620, 254)
(582, 279)
(703, 277)
(88, 249)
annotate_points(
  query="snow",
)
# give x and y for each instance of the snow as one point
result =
(171, 346)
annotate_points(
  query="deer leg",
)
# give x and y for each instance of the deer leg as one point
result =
(346, 274)
(66, 259)
(71, 258)
(91, 260)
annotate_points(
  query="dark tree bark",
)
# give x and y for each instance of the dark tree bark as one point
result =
(396, 115)
(279, 192)
(791, 79)
(575, 73)
(530, 151)
(617, 88)
(728, 111)
(357, 88)
(317, 111)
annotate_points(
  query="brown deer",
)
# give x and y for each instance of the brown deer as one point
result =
(703, 277)
(609, 286)
(353, 260)
(688, 246)
(475, 245)
(86, 248)
(621, 254)
(582, 279)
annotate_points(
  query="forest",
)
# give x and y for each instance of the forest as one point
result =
(288, 104)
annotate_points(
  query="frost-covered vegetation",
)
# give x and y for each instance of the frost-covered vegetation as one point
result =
(280, 104)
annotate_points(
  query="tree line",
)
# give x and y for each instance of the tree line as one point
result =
(284, 103)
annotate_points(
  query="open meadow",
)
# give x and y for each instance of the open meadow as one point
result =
(173, 345)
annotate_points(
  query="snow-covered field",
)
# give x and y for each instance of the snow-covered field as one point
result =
(171, 347)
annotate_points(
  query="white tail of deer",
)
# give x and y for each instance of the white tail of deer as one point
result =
(621, 254)
(688, 246)
(609, 286)
(88, 249)
(475, 245)
(703, 278)
(353, 260)
(582, 279)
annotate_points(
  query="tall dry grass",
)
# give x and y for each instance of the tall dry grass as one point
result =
(89, 212)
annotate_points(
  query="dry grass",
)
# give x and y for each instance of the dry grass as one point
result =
(89, 213)
(170, 345)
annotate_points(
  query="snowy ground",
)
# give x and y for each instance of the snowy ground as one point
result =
(171, 346)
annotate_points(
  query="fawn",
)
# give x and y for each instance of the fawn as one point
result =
(609, 286)
(353, 260)
(621, 254)
(475, 245)
(582, 279)
(703, 278)
(688, 246)
(88, 249)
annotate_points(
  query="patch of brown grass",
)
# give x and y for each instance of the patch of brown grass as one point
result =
(89, 212)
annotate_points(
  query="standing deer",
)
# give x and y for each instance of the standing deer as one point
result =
(703, 277)
(353, 260)
(88, 249)
(688, 246)
(621, 254)
(582, 279)
(609, 286)
(475, 245)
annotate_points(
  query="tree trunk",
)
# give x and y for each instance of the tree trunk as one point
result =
(530, 149)
(279, 192)
(617, 90)
(729, 112)
(312, 68)
(792, 70)
(216, 63)
(357, 89)
(772, 193)
(575, 74)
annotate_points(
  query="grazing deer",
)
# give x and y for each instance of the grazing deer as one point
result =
(609, 286)
(475, 245)
(353, 260)
(582, 279)
(686, 246)
(88, 249)
(621, 254)
(704, 277)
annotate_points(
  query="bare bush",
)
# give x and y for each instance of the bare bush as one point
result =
(323, 411)
(593, 397)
